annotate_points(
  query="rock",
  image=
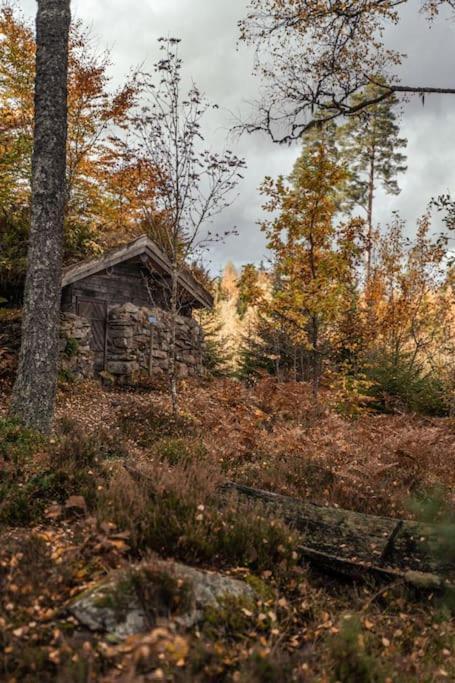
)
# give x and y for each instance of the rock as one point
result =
(123, 342)
(130, 602)
(122, 367)
(134, 344)
(156, 353)
(77, 331)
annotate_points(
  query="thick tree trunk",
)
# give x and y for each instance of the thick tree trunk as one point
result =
(34, 391)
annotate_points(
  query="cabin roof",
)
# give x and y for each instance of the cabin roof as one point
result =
(153, 258)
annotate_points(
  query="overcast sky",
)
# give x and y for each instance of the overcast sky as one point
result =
(208, 28)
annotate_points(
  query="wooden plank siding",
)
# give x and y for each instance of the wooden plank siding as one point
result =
(143, 253)
(128, 282)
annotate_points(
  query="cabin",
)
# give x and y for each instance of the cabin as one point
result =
(116, 308)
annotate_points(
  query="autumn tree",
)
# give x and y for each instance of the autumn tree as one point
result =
(316, 60)
(103, 178)
(408, 326)
(371, 147)
(193, 183)
(309, 269)
(34, 390)
(250, 292)
(17, 73)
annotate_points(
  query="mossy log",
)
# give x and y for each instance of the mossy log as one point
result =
(357, 544)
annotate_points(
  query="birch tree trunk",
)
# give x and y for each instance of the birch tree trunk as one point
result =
(34, 390)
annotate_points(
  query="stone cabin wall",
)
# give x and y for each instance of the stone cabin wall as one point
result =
(76, 357)
(138, 343)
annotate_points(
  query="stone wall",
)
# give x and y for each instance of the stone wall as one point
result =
(139, 342)
(76, 357)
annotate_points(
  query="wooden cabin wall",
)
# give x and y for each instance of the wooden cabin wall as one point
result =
(122, 284)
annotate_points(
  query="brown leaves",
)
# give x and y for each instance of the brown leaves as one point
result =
(153, 652)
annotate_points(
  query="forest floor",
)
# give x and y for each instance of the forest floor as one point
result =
(121, 482)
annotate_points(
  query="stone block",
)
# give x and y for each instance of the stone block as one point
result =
(157, 353)
(182, 370)
(122, 367)
(123, 342)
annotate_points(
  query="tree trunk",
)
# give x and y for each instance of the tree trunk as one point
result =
(173, 349)
(315, 357)
(370, 215)
(34, 390)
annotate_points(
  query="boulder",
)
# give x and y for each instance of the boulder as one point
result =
(133, 601)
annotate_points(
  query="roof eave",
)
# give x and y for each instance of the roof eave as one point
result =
(143, 245)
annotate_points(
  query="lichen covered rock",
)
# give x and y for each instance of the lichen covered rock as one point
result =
(135, 600)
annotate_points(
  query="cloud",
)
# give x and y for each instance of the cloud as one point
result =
(129, 28)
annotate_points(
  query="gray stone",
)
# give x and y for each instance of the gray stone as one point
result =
(131, 336)
(123, 342)
(122, 367)
(157, 353)
(114, 607)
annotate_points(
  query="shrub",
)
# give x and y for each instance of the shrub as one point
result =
(264, 667)
(71, 347)
(66, 376)
(176, 451)
(231, 619)
(179, 513)
(70, 466)
(397, 384)
(433, 508)
(160, 593)
(350, 656)
(17, 444)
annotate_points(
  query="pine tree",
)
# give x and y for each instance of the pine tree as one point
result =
(217, 356)
(370, 143)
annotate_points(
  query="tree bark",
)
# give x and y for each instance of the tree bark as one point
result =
(173, 346)
(34, 390)
(371, 180)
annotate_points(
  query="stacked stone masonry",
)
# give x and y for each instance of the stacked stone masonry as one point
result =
(138, 343)
(76, 355)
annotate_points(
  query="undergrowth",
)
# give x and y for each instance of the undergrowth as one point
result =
(146, 483)
(178, 512)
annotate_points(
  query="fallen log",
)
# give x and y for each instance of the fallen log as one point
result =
(359, 545)
(355, 544)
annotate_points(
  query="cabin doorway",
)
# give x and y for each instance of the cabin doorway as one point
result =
(95, 310)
